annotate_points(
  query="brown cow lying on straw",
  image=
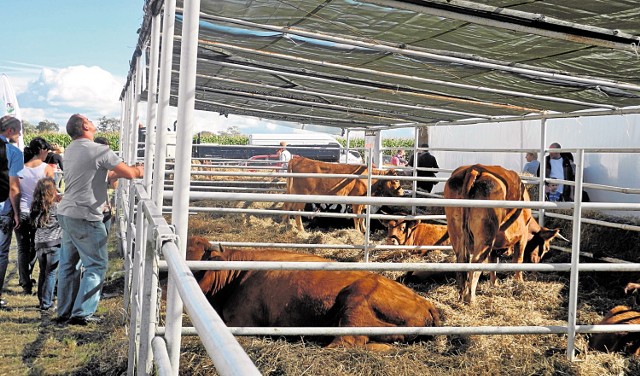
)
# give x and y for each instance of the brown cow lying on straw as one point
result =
(288, 298)
(628, 342)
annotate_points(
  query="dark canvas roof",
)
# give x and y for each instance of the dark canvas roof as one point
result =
(380, 64)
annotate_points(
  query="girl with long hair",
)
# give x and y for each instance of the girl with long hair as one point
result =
(48, 238)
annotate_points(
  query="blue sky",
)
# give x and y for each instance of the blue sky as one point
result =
(72, 56)
(68, 56)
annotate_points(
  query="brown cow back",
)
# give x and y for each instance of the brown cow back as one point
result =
(338, 186)
(620, 341)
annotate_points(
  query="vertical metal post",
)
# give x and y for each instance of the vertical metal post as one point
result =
(414, 172)
(348, 146)
(128, 258)
(179, 209)
(150, 141)
(148, 322)
(543, 167)
(136, 290)
(575, 256)
(164, 92)
(133, 136)
(368, 208)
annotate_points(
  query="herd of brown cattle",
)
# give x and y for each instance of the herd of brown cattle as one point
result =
(358, 298)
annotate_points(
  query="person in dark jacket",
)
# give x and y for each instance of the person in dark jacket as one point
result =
(425, 160)
(560, 166)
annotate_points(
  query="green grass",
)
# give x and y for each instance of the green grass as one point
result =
(32, 344)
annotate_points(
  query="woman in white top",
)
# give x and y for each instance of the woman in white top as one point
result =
(34, 170)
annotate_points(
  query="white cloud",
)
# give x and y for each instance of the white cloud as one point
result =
(58, 93)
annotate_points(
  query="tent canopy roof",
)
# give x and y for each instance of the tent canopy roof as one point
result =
(384, 64)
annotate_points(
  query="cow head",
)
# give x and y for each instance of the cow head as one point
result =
(388, 188)
(199, 248)
(398, 231)
(539, 244)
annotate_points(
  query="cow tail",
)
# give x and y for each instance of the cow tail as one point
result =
(469, 181)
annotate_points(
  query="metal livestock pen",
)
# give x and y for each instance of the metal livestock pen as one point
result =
(230, 62)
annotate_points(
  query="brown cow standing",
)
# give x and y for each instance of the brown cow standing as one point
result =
(309, 298)
(619, 341)
(335, 186)
(478, 233)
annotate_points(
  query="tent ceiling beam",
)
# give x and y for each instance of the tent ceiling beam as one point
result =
(331, 95)
(371, 72)
(408, 51)
(311, 119)
(376, 85)
(271, 99)
(383, 87)
(531, 117)
(532, 23)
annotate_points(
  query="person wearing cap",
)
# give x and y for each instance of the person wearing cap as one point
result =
(284, 155)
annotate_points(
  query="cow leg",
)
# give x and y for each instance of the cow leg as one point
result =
(298, 206)
(454, 227)
(358, 222)
(493, 259)
(481, 254)
(356, 305)
(518, 256)
(285, 217)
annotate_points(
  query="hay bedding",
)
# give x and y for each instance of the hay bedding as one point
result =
(540, 300)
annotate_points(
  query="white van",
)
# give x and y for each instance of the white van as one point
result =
(302, 139)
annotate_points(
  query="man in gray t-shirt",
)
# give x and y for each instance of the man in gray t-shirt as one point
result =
(84, 237)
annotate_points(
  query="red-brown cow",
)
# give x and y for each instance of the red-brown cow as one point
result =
(628, 342)
(336, 186)
(478, 233)
(414, 232)
(309, 298)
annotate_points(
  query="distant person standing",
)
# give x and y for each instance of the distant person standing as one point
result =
(11, 163)
(425, 160)
(560, 166)
(398, 158)
(54, 159)
(34, 170)
(284, 155)
(84, 236)
(532, 164)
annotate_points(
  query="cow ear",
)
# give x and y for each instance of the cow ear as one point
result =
(216, 256)
(413, 223)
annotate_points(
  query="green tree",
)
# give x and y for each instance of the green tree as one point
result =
(47, 126)
(28, 127)
(108, 124)
(231, 131)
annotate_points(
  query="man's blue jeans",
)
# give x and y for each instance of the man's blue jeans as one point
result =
(48, 259)
(84, 241)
